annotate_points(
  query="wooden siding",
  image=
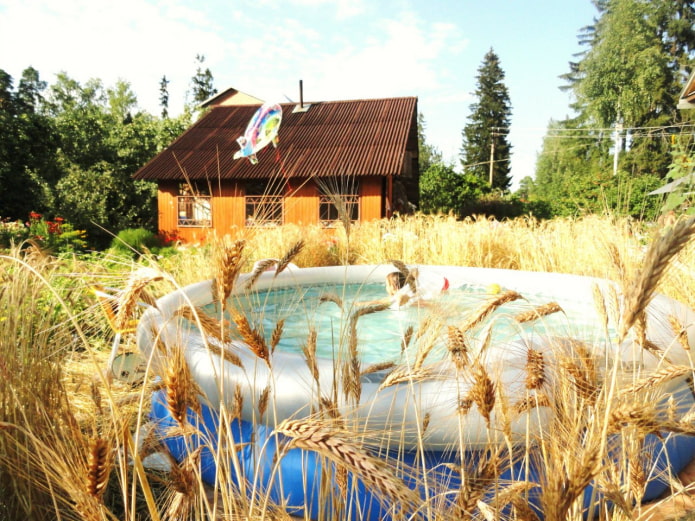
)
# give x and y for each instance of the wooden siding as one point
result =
(371, 194)
(229, 209)
(302, 205)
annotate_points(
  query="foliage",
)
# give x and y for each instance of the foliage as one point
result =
(505, 206)
(57, 235)
(485, 134)
(134, 241)
(681, 171)
(27, 147)
(428, 154)
(636, 57)
(625, 71)
(443, 190)
(71, 149)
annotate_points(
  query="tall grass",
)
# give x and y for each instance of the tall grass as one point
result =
(72, 442)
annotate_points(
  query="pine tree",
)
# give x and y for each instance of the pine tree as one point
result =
(202, 82)
(485, 150)
(164, 96)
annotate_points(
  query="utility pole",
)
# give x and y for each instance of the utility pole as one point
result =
(618, 145)
(492, 156)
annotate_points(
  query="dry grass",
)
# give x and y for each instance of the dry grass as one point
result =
(69, 442)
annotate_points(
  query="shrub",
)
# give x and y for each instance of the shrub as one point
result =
(135, 241)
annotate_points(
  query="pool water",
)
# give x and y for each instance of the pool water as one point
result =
(380, 334)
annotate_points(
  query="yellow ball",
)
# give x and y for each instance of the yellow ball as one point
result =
(494, 289)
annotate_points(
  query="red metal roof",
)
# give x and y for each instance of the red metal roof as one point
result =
(356, 138)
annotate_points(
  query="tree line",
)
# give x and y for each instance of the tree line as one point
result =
(625, 137)
(70, 149)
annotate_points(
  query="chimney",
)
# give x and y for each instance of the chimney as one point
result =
(301, 107)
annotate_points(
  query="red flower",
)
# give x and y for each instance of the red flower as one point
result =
(34, 216)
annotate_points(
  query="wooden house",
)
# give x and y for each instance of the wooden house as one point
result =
(339, 159)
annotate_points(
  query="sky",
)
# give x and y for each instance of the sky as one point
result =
(340, 49)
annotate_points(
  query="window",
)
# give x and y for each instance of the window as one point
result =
(264, 207)
(338, 201)
(195, 211)
(194, 207)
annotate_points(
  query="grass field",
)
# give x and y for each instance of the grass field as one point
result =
(70, 444)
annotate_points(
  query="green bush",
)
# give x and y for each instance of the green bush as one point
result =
(135, 241)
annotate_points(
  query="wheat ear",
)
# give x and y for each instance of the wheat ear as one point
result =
(181, 391)
(261, 267)
(482, 393)
(373, 471)
(253, 338)
(129, 297)
(212, 327)
(456, 344)
(227, 263)
(98, 466)
(488, 307)
(538, 312)
(289, 256)
(639, 292)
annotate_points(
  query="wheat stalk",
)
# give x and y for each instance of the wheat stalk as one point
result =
(330, 444)
(289, 256)
(227, 263)
(309, 350)
(680, 332)
(538, 312)
(212, 327)
(535, 369)
(276, 334)
(263, 401)
(405, 374)
(456, 344)
(600, 306)
(531, 402)
(98, 466)
(251, 337)
(407, 337)
(379, 366)
(261, 267)
(181, 391)
(657, 377)
(482, 393)
(331, 297)
(658, 257)
(128, 300)
(237, 402)
(488, 307)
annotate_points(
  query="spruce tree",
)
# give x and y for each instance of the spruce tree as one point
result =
(164, 96)
(202, 82)
(485, 150)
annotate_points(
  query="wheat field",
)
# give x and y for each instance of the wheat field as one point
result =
(74, 441)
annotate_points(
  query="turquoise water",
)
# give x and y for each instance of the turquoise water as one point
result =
(380, 334)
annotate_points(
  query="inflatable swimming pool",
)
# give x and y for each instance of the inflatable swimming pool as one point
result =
(418, 418)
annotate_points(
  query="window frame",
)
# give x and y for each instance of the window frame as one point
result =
(194, 211)
(328, 208)
(263, 211)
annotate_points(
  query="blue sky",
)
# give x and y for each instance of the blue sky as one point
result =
(340, 49)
